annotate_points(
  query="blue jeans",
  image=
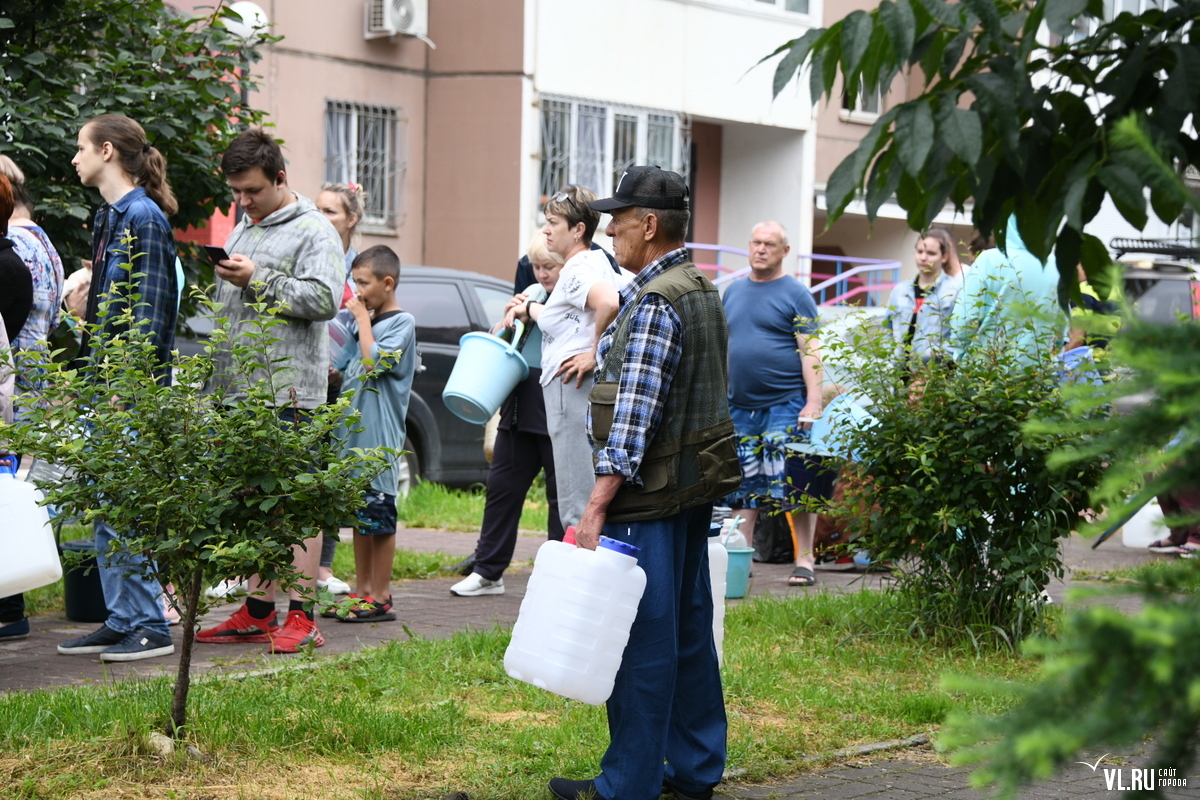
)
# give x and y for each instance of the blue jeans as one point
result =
(131, 597)
(667, 705)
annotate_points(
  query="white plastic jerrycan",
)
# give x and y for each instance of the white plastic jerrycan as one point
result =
(575, 619)
(718, 564)
(28, 555)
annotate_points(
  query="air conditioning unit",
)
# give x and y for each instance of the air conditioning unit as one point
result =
(392, 17)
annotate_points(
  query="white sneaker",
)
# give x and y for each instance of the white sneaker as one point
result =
(475, 585)
(335, 585)
(226, 589)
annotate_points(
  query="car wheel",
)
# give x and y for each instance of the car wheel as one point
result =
(408, 470)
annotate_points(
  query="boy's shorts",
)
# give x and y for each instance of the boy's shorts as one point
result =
(378, 517)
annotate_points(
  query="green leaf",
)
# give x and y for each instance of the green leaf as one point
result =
(885, 177)
(839, 189)
(1125, 188)
(5, 22)
(791, 62)
(36, 58)
(897, 19)
(914, 134)
(856, 35)
(1061, 14)
(1073, 203)
(941, 12)
(960, 130)
(1181, 92)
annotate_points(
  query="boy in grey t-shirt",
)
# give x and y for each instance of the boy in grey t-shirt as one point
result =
(378, 362)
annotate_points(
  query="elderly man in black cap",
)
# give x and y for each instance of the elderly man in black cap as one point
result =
(664, 449)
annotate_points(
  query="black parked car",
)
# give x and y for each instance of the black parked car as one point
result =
(446, 304)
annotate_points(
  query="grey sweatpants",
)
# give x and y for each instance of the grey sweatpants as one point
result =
(566, 421)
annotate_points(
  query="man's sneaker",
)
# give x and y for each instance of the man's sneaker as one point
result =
(15, 630)
(371, 611)
(565, 789)
(298, 631)
(241, 627)
(335, 585)
(97, 641)
(842, 563)
(226, 589)
(670, 788)
(332, 611)
(475, 585)
(142, 643)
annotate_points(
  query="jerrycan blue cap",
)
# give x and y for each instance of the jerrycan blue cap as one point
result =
(620, 547)
(714, 529)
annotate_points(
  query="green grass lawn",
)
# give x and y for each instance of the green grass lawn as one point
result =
(431, 505)
(419, 719)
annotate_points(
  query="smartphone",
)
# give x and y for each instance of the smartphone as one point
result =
(216, 254)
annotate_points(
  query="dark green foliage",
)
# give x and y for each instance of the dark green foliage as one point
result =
(1039, 131)
(1108, 681)
(950, 487)
(210, 485)
(63, 62)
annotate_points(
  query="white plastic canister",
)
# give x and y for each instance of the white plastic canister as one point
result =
(28, 555)
(575, 619)
(718, 564)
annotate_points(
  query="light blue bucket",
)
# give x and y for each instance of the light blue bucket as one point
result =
(737, 575)
(486, 371)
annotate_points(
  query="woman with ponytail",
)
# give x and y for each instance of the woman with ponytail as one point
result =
(130, 228)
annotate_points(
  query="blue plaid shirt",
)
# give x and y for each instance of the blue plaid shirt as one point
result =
(651, 358)
(151, 250)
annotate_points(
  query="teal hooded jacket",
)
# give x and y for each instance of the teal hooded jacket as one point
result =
(1011, 297)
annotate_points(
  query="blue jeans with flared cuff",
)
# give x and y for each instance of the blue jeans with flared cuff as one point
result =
(666, 716)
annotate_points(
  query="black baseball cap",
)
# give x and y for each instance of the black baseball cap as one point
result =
(647, 187)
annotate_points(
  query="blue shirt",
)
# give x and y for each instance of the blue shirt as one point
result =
(764, 360)
(134, 230)
(381, 396)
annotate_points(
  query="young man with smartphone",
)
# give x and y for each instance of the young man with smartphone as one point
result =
(283, 251)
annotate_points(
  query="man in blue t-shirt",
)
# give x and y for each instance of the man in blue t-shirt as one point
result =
(774, 380)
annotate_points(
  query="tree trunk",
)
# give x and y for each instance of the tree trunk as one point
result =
(183, 678)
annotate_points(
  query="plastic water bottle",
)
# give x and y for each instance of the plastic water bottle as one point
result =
(30, 557)
(575, 619)
(718, 564)
(734, 539)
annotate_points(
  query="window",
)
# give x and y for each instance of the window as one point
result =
(593, 143)
(494, 302)
(368, 145)
(438, 308)
(866, 107)
(799, 6)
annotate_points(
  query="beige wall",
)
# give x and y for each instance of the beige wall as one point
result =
(706, 174)
(473, 160)
(472, 193)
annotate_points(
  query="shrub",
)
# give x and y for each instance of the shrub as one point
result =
(951, 487)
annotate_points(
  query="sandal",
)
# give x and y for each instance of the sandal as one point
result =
(1187, 550)
(1162, 546)
(802, 577)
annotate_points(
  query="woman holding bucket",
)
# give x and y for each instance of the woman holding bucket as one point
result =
(523, 447)
(582, 305)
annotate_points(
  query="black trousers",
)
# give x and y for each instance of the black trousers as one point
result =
(516, 460)
(12, 609)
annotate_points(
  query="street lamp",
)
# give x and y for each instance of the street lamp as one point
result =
(248, 25)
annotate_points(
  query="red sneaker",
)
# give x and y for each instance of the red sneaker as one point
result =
(297, 631)
(241, 627)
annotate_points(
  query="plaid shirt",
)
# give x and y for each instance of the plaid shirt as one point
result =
(151, 251)
(651, 357)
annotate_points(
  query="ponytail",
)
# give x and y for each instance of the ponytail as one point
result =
(144, 164)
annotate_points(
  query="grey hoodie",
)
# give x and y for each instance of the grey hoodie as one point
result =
(298, 258)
